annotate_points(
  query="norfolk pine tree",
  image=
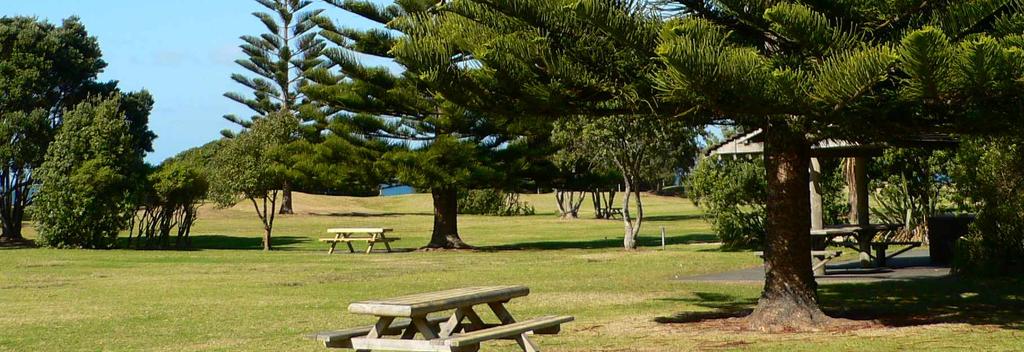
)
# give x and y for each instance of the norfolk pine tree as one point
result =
(447, 146)
(276, 62)
(858, 70)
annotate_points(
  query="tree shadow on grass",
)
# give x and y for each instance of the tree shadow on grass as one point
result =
(369, 215)
(604, 243)
(666, 218)
(722, 306)
(222, 242)
(929, 301)
(997, 302)
(20, 244)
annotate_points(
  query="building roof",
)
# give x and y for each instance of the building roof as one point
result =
(753, 143)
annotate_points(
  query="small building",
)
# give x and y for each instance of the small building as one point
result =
(752, 143)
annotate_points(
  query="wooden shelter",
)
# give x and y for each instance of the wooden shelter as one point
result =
(752, 143)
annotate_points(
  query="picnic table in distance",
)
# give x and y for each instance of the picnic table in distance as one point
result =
(865, 236)
(370, 235)
(401, 319)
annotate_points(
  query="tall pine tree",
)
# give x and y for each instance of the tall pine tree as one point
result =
(803, 71)
(277, 61)
(446, 147)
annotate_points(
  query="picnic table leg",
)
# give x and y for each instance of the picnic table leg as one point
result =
(818, 266)
(424, 328)
(349, 243)
(453, 325)
(864, 247)
(378, 329)
(387, 244)
(333, 244)
(474, 320)
(880, 255)
(370, 243)
(506, 318)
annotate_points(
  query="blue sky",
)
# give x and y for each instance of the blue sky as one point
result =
(182, 51)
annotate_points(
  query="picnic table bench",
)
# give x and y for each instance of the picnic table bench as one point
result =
(865, 241)
(881, 247)
(818, 260)
(369, 235)
(401, 319)
(610, 213)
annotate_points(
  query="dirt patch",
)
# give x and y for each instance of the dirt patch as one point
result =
(740, 324)
(431, 249)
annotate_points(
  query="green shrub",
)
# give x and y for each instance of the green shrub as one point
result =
(991, 173)
(173, 194)
(88, 178)
(732, 194)
(493, 202)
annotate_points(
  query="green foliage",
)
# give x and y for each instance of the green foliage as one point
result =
(493, 202)
(638, 147)
(990, 172)
(249, 167)
(44, 70)
(445, 162)
(732, 194)
(910, 185)
(246, 167)
(88, 177)
(174, 192)
(277, 61)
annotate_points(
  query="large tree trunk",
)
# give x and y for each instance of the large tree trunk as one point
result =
(446, 227)
(11, 230)
(286, 199)
(12, 211)
(789, 300)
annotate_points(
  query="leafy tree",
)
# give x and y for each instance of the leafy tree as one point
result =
(802, 71)
(248, 167)
(277, 62)
(808, 71)
(88, 177)
(989, 171)
(732, 194)
(174, 191)
(448, 147)
(45, 70)
(493, 202)
(637, 147)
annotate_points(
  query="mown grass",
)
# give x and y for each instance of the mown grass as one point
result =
(229, 296)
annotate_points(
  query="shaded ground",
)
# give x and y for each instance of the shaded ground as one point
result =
(914, 264)
(995, 303)
(911, 292)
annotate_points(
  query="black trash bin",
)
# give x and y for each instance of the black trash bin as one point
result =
(943, 231)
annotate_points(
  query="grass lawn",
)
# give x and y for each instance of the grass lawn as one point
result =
(230, 296)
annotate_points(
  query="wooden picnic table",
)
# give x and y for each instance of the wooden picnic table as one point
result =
(370, 235)
(461, 329)
(865, 240)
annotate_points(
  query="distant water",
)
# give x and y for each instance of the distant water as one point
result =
(395, 190)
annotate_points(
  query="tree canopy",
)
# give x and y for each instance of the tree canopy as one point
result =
(44, 70)
(802, 71)
(90, 176)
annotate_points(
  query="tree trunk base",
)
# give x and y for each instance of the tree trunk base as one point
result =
(569, 216)
(788, 314)
(451, 242)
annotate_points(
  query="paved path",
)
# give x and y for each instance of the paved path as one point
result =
(911, 265)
